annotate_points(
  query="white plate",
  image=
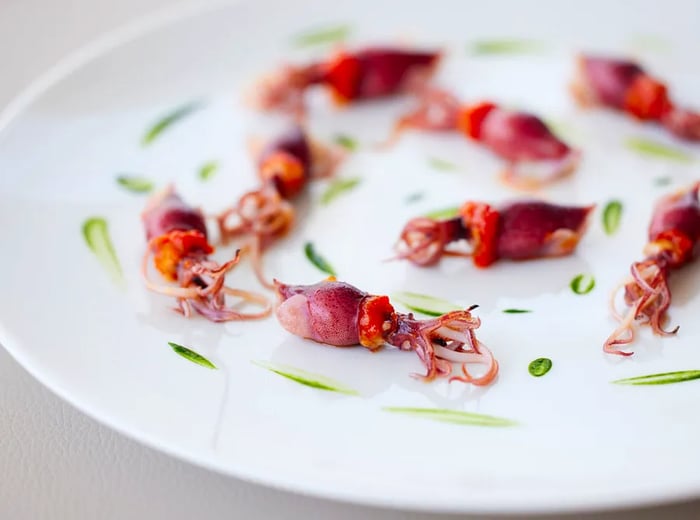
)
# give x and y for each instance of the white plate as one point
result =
(581, 442)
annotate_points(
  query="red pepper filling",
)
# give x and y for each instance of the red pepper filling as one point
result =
(471, 118)
(285, 171)
(343, 76)
(647, 98)
(171, 248)
(675, 245)
(482, 221)
(376, 319)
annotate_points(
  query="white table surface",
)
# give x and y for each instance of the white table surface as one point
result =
(57, 463)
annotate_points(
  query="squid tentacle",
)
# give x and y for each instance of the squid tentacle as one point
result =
(648, 296)
(444, 340)
(423, 240)
(209, 299)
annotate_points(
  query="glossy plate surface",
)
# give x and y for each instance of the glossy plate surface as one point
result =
(579, 443)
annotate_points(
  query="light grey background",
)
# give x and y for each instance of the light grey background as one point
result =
(57, 463)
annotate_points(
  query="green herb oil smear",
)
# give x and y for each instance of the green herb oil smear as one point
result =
(582, 284)
(96, 235)
(208, 170)
(135, 183)
(316, 259)
(505, 46)
(539, 367)
(168, 120)
(305, 378)
(451, 416)
(441, 164)
(612, 214)
(337, 188)
(664, 378)
(443, 213)
(428, 305)
(322, 35)
(656, 150)
(191, 355)
(346, 142)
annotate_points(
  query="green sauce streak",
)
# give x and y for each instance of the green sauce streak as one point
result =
(665, 378)
(135, 183)
(444, 213)
(322, 36)
(191, 355)
(662, 181)
(657, 150)
(563, 129)
(612, 214)
(649, 42)
(582, 284)
(441, 164)
(337, 188)
(208, 170)
(451, 416)
(169, 120)
(414, 197)
(346, 142)
(96, 235)
(305, 378)
(539, 366)
(317, 259)
(427, 305)
(516, 311)
(506, 46)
